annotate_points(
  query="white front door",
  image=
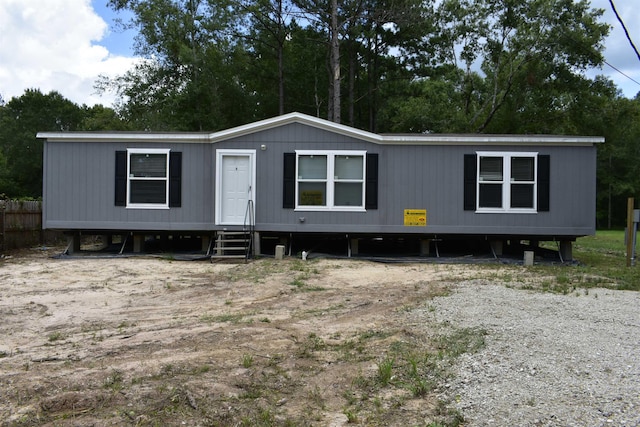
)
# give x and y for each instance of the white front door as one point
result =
(235, 186)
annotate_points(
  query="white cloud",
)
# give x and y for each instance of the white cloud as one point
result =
(55, 45)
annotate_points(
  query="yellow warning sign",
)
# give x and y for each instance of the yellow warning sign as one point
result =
(415, 217)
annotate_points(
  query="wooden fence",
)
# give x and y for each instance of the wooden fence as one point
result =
(21, 225)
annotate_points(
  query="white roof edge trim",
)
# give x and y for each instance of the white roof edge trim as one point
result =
(124, 136)
(510, 139)
(478, 138)
(295, 118)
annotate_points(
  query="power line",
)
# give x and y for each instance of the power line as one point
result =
(624, 27)
(582, 47)
(626, 75)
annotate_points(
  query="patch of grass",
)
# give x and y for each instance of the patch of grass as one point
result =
(460, 341)
(420, 387)
(263, 417)
(352, 416)
(305, 270)
(55, 336)
(124, 324)
(256, 271)
(315, 396)
(608, 242)
(114, 381)
(419, 382)
(247, 360)
(298, 283)
(310, 345)
(350, 350)
(251, 393)
(603, 257)
(321, 311)
(307, 266)
(449, 417)
(375, 334)
(601, 263)
(222, 318)
(411, 368)
(385, 370)
(198, 370)
(350, 396)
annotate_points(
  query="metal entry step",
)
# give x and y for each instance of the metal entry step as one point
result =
(232, 245)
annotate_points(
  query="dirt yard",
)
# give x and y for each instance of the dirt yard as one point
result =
(150, 341)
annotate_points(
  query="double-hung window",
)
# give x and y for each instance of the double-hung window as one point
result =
(148, 178)
(330, 180)
(506, 182)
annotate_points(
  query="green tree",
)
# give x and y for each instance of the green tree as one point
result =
(20, 119)
(618, 160)
(307, 80)
(266, 38)
(513, 56)
(376, 38)
(101, 118)
(271, 25)
(189, 78)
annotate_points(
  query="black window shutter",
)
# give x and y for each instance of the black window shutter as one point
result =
(371, 190)
(289, 182)
(175, 179)
(121, 178)
(469, 182)
(544, 182)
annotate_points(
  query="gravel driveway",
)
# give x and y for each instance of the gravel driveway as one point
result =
(549, 359)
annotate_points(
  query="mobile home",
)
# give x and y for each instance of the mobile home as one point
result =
(296, 175)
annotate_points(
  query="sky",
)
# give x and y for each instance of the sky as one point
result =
(61, 45)
(65, 45)
(618, 52)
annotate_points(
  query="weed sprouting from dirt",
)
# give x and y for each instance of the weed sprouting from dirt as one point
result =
(247, 360)
(385, 371)
(298, 283)
(222, 318)
(310, 345)
(352, 416)
(114, 380)
(55, 336)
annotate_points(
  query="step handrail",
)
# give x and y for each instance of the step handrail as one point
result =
(249, 226)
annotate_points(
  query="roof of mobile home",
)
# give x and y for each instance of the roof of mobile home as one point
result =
(387, 139)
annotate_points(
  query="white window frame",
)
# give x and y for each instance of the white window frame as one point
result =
(507, 181)
(130, 178)
(331, 180)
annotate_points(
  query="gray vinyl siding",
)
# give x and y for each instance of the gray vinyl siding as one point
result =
(79, 188)
(421, 177)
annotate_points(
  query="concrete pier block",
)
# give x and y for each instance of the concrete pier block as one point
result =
(528, 258)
